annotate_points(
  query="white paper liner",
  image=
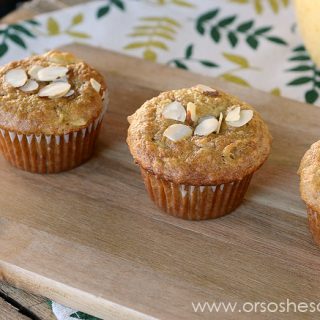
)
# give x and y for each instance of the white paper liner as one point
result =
(195, 202)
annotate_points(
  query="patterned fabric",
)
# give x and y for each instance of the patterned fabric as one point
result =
(247, 42)
(64, 313)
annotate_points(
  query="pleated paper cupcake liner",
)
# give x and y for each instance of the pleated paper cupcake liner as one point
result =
(195, 202)
(50, 153)
(314, 224)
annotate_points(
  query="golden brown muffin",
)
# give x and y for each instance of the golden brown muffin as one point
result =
(310, 187)
(27, 112)
(208, 154)
(51, 108)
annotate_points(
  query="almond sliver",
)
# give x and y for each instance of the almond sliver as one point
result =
(192, 111)
(233, 114)
(204, 88)
(69, 93)
(33, 71)
(63, 58)
(245, 117)
(220, 122)
(177, 132)
(16, 77)
(62, 79)
(54, 90)
(52, 73)
(207, 126)
(30, 85)
(174, 111)
(95, 84)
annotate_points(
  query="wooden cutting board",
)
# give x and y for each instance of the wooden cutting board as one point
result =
(91, 238)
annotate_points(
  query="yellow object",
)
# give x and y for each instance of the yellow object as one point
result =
(308, 14)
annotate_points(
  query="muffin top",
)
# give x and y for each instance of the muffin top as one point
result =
(198, 136)
(54, 93)
(310, 177)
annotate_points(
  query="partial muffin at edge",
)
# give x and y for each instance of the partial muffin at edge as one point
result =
(310, 177)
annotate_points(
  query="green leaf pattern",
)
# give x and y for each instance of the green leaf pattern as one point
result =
(105, 9)
(15, 34)
(308, 74)
(162, 30)
(189, 59)
(83, 316)
(218, 27)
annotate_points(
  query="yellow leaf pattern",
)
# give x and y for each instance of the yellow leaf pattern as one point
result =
(259, 5)
(237, 59)
(235, 79)
(53, 27)
(154, 31)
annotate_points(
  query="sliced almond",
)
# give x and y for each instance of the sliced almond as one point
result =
(52, 73)
(207, 90)
(33, 71)
(69, 93)
(205, 118)
(55, 90)
(177, 132)
(16, 77)
(62, 79)
(233, 114)
(30, 85)
(59, 57)
(174, 111)
(220, 122)
(192, 112)
(207, 126)
(95, 84)
(245, 117)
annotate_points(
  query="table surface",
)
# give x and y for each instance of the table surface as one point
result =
(16, 304)
(32, 306)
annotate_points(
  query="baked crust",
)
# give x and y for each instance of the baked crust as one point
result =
(310, 177)
(28, 113)
(214, 159)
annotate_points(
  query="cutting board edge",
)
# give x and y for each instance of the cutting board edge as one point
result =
(60, 293)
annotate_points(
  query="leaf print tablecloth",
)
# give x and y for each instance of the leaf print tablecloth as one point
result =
(247, 42)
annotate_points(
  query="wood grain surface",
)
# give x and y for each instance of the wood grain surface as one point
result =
(8, 312)
(24, 304)
(91, 238)
(37, 306)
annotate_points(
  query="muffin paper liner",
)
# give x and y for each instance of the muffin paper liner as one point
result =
(50, 153)
(195, 202)
(314, 224)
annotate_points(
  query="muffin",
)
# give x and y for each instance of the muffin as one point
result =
(51, 109)
(310, 188)
(197, 149)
